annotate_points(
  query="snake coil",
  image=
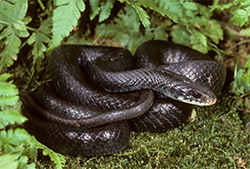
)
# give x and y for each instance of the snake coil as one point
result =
(98, 94)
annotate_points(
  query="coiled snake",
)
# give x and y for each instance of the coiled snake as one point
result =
(98, 93)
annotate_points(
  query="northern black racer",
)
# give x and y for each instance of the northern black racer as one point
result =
(90, 104)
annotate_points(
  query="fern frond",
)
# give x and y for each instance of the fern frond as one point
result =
(12, 138)
(16, 10)
(133, 17)
(105, 9)
(38, 39)
(9, 117)
(10, 100)
(8, 161)
(144, 18)
(8, 91)
(122, 31)
(10, 46)
(8, 97)
(65, 17)
(57, 158)
(9, 38)
(23, 163)
(153, 6)
(240, 10)
(94, 9)
(14, 161)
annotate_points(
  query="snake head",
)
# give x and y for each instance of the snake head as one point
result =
(193, 93)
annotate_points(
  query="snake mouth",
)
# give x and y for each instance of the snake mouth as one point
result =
(210, 102)
(207, 99)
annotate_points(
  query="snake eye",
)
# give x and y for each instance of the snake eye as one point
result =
(195, 94)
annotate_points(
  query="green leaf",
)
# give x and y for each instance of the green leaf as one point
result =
(201, 37)
(172, 6)
(247, 64)
(57, 158)
(190, 6)
(200, 48)
(23, 163)
(172, 9)
(94, 8)
(239, 17)
(245, 31)
(144, 18)
(13, 138)
(10, 100)
(6, 32)
(215, 32)
(122, 31)
(105, 9)
(160, 34)
(4, 77)
(180, 35)
(65, 17)
(15, 10)
(19, 26)
(38, 39)
(9, 117)
(62, 2)
(8, 161)
(8, 91)
(196, 44)
(12, 161)
(240, 9)
(10, 46)
(134, 18)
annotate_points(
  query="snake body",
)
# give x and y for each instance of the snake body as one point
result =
(79, 118)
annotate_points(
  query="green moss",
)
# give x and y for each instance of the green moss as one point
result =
(216, 137)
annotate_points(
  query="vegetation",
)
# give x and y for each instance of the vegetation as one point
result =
(29, 30)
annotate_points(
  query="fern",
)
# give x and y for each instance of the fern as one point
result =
(94, 8)
(195, 26)
(8, 92)
(13, 161)
(38, 39)
(13, 141)
(57, 158)
(105, 9)
(240, 10)
(241, 83)
(8, 161)
(10, 43)
(124, 31)
(65, 17)
(9, 117)
(12, 14)
(144, 18)
(153, 6)
(13, 138)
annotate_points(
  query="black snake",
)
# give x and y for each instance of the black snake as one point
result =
(98, 93)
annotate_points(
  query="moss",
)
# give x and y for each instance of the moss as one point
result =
(216, 137)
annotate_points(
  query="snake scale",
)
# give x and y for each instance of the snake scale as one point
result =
(98, 94)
